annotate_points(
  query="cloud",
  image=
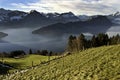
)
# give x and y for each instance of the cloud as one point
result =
(90, 7)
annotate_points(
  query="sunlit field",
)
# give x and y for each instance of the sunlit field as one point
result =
(100, 63)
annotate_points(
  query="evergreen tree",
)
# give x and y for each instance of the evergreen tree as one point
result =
(94, 41)
(44, 52)
(38, 52)
(88, 44)
(30, 51)
(115, 39)
(102, 39)
(17, 53)
(50, 53)
(80, 43)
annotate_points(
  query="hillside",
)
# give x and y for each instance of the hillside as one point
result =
(26, 61)
(13, 64)
(99, 24)
(3, 35)
(102, 63)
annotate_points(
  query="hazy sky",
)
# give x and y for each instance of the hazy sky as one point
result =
(89, 7)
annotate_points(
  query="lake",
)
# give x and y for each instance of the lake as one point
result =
(23, 39)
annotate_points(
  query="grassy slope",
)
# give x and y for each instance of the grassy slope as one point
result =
(25, 62)
(101, 63)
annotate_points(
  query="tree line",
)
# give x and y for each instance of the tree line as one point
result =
(81, 43)
(21, 53)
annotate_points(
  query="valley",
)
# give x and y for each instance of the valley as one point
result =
(37, 45)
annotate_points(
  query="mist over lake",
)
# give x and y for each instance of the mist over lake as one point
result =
(23, 39)
(113, 31)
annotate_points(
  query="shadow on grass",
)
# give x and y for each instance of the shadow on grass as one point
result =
(8, 66)
(4, 70)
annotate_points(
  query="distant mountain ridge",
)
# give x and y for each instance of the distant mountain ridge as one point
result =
(95, 25)
(3, 35)
(15, 18)
(33, 18)
(56, 23)
(115, 18)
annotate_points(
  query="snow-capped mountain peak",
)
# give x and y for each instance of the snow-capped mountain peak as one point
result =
(117, 13)
(9, 15)
(3, 11)
(52, 15)
(115, 18)
(67, 15)
(33, 11)
(84, 17)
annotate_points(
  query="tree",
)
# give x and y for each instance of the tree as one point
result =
(50, 53)
(44, 52)
(75, 45)
(88, 44)
(103, 39)
(115, 39)
(38, 52)
(94, 41)
(17, 53)
(118, 39)
(30, 51)
(81, 42)
(72, 43)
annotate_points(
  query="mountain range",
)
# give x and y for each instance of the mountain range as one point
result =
(57, 24)
(95, 25)
(33, 18)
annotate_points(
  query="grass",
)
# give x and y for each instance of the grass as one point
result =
(101, 63)
(27, 61)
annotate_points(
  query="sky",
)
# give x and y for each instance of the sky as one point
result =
(78, 7)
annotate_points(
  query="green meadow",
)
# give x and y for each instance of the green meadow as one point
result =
(102, 63)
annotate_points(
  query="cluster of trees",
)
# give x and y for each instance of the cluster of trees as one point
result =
(13, 54)
(44, 52)
(21, 53)
(80, 43)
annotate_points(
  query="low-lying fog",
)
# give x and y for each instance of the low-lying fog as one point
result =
(23, 39)
(113, 31)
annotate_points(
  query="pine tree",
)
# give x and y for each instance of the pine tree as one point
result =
(30, 51)
(117, 37)
(94, 41)
(102, 39)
